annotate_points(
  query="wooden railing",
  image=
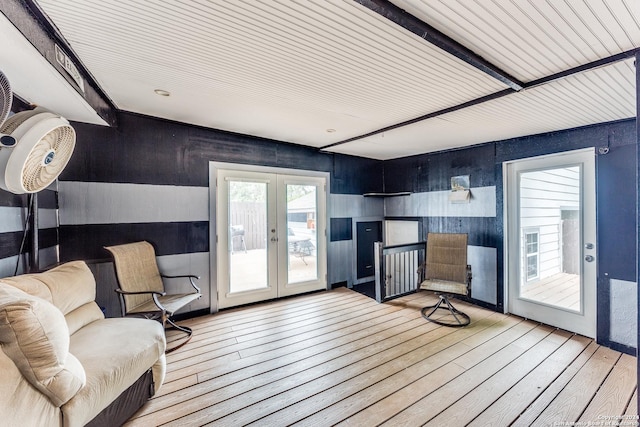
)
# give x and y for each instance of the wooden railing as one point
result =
(396, 269)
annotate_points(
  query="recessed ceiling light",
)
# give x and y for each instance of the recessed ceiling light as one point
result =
(162, 92)
(331, 130)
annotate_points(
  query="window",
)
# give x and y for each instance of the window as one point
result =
(532, 253)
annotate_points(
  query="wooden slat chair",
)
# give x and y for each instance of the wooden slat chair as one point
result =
(446, 272)
(141, 288)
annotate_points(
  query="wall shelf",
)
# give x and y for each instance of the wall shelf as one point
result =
(401, 193)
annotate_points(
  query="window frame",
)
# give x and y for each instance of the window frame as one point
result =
(528, 255)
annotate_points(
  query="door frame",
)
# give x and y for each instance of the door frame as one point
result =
(213, 223)
(508, 212)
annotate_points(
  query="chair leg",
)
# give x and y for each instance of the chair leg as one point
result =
(460, 318)
(184, 329)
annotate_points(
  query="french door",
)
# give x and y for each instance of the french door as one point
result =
(271, 239)
(551, 247)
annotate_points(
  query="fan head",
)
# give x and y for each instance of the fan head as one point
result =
(45, 145)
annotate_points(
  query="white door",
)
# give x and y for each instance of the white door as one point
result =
(271, 236)
(551, 247)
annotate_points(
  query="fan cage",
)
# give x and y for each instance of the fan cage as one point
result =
(36, 175)
(6, 98)
(16, 120)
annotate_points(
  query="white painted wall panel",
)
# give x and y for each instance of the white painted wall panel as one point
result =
(484, 268)
(623, 325)
(436, 204)
(194, 263)
(47, 218)
(108, 203)
(340, 262)
(48, 256)
(401, 232)
(12, 219)
(8, 266)
(352, 206)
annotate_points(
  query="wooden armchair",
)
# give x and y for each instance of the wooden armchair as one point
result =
(446, 272)
(141, 288)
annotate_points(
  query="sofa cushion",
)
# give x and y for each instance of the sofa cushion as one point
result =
(114, 353)
(71, 287)
(35, 336)
(67, 286)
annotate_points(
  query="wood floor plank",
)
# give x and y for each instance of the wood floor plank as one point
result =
(252, 372)
(612, 398)
(515, 401)
(168, 388)
(261, 343)
(271, 320)
(468, 407)
(431, 405)
(551, 392)
(213, 364)
(350, 398)
(567, 406)
(339, 357)
(631, 413)
(279, 393)
(341, 336)
(268, 310)
(358, 359)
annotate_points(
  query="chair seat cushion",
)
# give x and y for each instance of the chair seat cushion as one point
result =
(171, 303)
(444, 286)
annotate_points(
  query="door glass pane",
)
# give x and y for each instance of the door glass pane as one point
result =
(302, 213)
(550, 237)
(247, 236)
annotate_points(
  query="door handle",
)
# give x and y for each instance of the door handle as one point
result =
(588, 246)
(589, 258)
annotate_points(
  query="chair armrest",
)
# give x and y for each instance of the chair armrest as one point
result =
(190, 276)
(120, 291)
(154, 295)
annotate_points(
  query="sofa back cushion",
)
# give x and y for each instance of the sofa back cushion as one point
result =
(34, 335)
(70, 287)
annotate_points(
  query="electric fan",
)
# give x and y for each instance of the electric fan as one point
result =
(36, 146)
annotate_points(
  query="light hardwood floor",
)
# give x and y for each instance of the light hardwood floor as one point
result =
(338, 357)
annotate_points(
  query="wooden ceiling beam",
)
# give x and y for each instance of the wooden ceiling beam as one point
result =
(425, 31)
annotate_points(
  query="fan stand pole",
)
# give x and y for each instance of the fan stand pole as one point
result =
(34, 257)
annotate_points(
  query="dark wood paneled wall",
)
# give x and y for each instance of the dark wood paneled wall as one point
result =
(145, 150)
(615, 189)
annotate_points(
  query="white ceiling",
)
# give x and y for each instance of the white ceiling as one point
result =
(319, 72)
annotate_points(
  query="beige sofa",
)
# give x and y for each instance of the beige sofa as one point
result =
(62, 363)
